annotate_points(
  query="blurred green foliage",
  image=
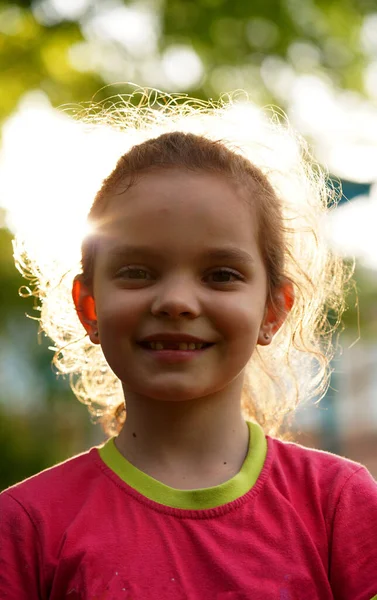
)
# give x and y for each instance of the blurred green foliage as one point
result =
(244, 33)
(232, 40)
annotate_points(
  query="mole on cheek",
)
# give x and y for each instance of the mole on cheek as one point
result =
(134, 434)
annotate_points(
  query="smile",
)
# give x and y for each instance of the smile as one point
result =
(169, 345)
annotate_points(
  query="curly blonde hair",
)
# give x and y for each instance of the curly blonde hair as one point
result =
(259, 150)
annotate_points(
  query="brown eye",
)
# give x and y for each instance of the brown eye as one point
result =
(134, 273)
(224, 276)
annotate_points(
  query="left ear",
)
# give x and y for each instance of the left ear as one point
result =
(276, 312)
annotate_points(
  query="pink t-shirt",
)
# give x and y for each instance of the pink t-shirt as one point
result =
(293, 524)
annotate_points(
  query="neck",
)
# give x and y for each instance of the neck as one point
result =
(186, 444)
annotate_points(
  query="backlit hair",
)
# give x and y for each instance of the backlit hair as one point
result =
(259, 152)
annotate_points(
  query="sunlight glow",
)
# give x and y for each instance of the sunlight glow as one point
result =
(368, 34)
(51, 168)
(105, 59)
(341, 125)
(278, 76)
(135, 27)
(370, 79)
(182, 66)
(352, 229)
(50, 12)
(49, 173)
(71, 9)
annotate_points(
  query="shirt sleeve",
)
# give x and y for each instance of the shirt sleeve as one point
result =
(19, 550)
(353, 547)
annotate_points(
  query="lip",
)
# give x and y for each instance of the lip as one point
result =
(174, 356)
(173, 337)
(170, 356)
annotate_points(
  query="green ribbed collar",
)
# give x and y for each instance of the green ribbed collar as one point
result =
(204, 498)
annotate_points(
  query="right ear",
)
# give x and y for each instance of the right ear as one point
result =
(85, 308)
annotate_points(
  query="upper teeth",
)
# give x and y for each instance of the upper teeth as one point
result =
(180, 345)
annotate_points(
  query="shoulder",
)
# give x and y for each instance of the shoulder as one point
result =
(316, 476)
(37, 514)
(54, 488)
(310, 463)
(335, 499)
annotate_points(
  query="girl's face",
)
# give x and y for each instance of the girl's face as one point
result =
(179, 265)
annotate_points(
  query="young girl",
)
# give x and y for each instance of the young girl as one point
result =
(205, 286)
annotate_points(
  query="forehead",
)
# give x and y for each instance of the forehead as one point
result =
(176, 205)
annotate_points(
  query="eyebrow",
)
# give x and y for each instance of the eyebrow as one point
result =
(231, 253)
(125, 250)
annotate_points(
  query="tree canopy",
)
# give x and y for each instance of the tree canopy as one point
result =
(71, 50)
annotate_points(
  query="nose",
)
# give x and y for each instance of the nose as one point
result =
(176, 298)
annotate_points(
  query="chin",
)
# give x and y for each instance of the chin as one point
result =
(173, 392)
(175, 395)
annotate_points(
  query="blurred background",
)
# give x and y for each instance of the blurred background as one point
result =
(315, 59)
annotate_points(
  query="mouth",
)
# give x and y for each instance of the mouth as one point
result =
(161, 345)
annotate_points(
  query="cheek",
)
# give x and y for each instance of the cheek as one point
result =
(238, 318)
(119, 311)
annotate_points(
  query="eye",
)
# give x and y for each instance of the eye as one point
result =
(134, 273)
(224, 276)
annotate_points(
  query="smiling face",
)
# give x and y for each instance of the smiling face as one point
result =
(178, 263)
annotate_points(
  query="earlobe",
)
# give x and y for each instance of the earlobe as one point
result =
(276, 313)
(85, 308)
